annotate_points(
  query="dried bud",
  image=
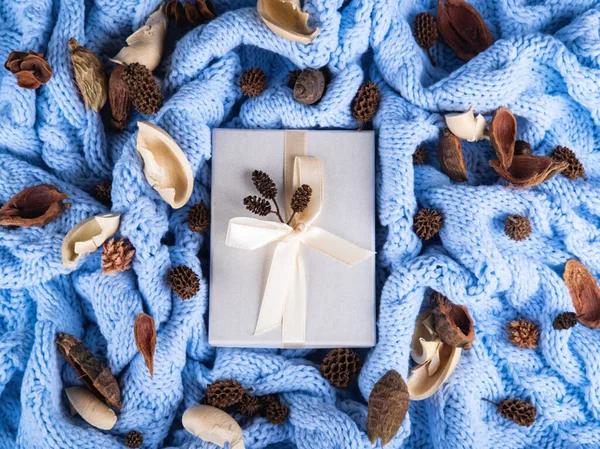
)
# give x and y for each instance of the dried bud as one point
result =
(463, 28)
(143, 88)
(264, 184)
(523, 333)
(517, 227)
(309, 87)
(529, 170)
(145, 339)
(520, 412)
(117, 255)
(258, 206)
(420, 156)
(253, 82)
(425, 32)
(453, 323)
(503, 135)
(564, 321)
(301, 198)
(575, 168)
(198, 217)
(387, 408)
(522, 147)
(89, 76)
(102, 192)
(134, 439)
(585, 293)
(183, 281)
(250, 405)
(30, 69)
(276, 412)
(34, 206)
(118, 98)
(224, 393)
(365, 103)
(427, 223)
(451, 157)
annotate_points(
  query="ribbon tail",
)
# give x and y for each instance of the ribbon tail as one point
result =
(335, 247)
(293, 331)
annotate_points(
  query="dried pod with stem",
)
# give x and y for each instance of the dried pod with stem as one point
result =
(451, 157)
(300, 200)
(118, 98)
(503, 135)
(585, 293)
(528, 170)
(309, 86)
(145, 339)
(575, 168)
(387, 407)
(453, 323)
(518, 411)
(34, 206)
(89, 76)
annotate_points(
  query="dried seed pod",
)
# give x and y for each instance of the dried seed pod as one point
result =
(134, 439)
(34, 206)
(89, 76)
(258, 206)
(451, 157)
(253, 82)
(143, 88)
(250, 405)
(117, 255)
(585, 293)
(463, 28)
(118, 98)
(264, 184)
(523, 333)
(503, 135)
(183, 281)
(30, 68)
(145, 339)
(427, 223)
(517, 227)
(522, 147)
(365, 103)
(528, 170)
(213, 425)
(310, 86)
(87, 236)
(301, 198)
(465, 125)
(224, 393)
(89, 369)
(102, 192)
(341, 366)
(276, 412)
(387, 408)
(564, 321)
(192, 14)
(90, 408)
(286, 19)
(520, 412)
(206, 9)
(198, 217)
(575, 168)
(419, 156)
(453, 323)
(425, 32)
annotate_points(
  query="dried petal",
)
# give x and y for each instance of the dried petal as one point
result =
(503, 135)
(118, 97)
(30, 69)
(529, 170)
(451, 156)
(387, 408)
(89, 369)
(34, 206)
(453, 323)
(145, 339)
(89, 76)
(585, 293)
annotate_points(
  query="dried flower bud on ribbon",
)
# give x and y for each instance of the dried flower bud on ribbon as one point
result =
(198, 217)
(118, 97)
(365, 103)
(564, 321)
(310, 86)
(450, 155)
(34, 206)
(145, 339)
(463, 28)
(575, 168)
(387, 408)
(585, 293)
(453, 323)
(517, 227)
(143, 88)
(522, 147)
(425, 31)
(503, 135)
(253, 82)
(523, 333)
(183, 281)
(427, 223)
(89, 369)
(89, 76)
(520, 412)
(529, 170)
(30, 68)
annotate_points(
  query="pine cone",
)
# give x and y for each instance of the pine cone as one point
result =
(293, 77)
(183, 281)
(425, 31)
(134, 439)
(575, 169)
(365, 103)
(253, 82)
(117, 255)
(517, 227)
(258, 206)
(198, 218)
(340, 367)
(145, 93)
(250, 405)
(522, 148)
(267, 399)
(264, 184)
(277, 412)
(103, 192)
(523, 333)
(564, 321)
(224, 393)
(420, 156)
(301, 198)
(520, 412)
(427, 223)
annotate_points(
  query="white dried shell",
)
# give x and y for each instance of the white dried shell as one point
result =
(146, 45)
(88, 236)
(425, 342)
(286, 19)
(422, 384)
(213, 425)
(466, 126)
(90, 408)
(166, 167)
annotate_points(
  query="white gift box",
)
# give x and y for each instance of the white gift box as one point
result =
(320, 273)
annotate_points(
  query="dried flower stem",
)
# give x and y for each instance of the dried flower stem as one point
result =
(277, 212)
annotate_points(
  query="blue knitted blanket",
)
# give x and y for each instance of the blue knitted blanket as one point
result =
(544, 66)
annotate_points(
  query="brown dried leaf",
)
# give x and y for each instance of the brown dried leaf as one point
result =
(89, 76)
(463, 28)
(89, 369)
(387, 408)
(453, 323)
(118, 97)
(179, 14)
(145, 339)
(206, 9)
(451, 157)
(585, 293)
(503, 135)
(192, 14)
(34, 206)
(529, 170)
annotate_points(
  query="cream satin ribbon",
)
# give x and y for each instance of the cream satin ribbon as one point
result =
(284, 299)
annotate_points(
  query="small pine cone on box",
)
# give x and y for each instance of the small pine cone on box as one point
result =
(277, 412)
(564, 321)
(143, 88)
(103, 192)
(134, 439)
(264, 184)
(575, 169)
(523, 333)
(258, 206)
(253, 82)
(301, 198)
(224, 393)
(198, 217)
(340, 367)
(427, 223)
(517, 227)
(183, 281)
(365, 103)
(117, 255)
(250, 405)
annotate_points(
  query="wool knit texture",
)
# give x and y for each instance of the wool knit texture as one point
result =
(544, 66)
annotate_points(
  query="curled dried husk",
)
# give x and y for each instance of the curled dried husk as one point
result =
(145, 339)
(309, 86)
(118, 97)
(463, 28)
(213, 425)
(453, 323)
(426, 343)
(166, 167)
(529, 170)
(466, 126)
(503, 135)
(451, 157)
(89, 76)
(34, 206)
(425, 381)
(30, 68)
(286, 19)
(90, 408)
(585, 293)
(388, 404)
(146, 45)
(88, 236)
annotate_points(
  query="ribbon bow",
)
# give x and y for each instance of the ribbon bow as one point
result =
(284, 299)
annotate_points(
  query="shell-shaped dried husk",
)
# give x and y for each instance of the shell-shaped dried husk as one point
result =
(34, 206)
(529, 170)
(424, 382)
(503, 135)
(466, 126)
(453, 323)
(166, 167)
(89, 76)
(88, 236)
(146, 45)
(309, 86)
(90, 408)
(425, 342)
(286, 19)
(213, 425)
(450, 155)
(585, 293)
